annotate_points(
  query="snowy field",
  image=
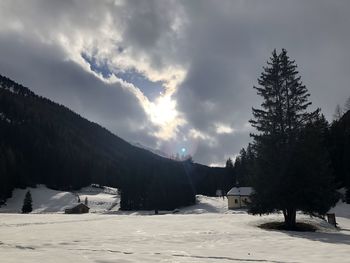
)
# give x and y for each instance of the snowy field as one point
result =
(50, 201)
(206, 232)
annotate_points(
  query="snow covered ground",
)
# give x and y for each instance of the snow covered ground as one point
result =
(206, 232)
(100, 200)
(51, 201)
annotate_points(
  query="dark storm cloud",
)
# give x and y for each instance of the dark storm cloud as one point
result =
(229, 44)
(43, 69)
(143, 27)
(221, 45)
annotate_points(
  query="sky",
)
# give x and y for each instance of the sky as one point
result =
(176, 76)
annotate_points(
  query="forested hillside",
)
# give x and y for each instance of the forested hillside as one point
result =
(43, 142)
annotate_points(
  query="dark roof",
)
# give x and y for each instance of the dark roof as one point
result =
(79, 205)
(240, 191)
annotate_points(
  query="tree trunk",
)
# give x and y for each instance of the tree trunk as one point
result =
(290, 218)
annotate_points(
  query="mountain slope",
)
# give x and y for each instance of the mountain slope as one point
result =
(42, 142)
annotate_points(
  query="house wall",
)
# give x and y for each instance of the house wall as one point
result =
(77, 210)
(236, 201)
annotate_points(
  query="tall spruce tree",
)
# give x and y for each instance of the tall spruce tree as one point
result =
(282, 180)
(243, 166)
(230, 176)
(27, 203)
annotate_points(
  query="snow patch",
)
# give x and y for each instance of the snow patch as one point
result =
(47, 200)
(342, 209)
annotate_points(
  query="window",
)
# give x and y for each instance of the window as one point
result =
(236, 201)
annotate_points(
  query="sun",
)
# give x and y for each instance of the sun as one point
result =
(163, 110)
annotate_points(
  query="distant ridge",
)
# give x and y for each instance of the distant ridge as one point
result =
(155, 151)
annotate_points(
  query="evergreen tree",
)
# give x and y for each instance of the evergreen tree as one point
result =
(230, 177)
(244, 166)
(284, 148)
(86, 202)
(27, 203)
(339, 147)
(229, 164)
(312, 173)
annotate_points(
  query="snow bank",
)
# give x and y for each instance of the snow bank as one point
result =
(206, 204)
(100, 199)
(46, 200)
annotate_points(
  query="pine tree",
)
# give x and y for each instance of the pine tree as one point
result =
(229, 164)
(230, 176)
(241, 168)
(27, 203)
(86, 202)
(281, 179)
(244, 166)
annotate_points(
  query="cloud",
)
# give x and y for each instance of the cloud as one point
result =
(204, 57)
(67, 83)
(228, 44)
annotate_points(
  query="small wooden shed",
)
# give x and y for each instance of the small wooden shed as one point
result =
(239, 197)
(78, 209)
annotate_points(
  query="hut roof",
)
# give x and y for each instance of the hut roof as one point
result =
(79, 205)
(246, 191)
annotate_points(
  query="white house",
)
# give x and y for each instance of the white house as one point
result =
(238, 197)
